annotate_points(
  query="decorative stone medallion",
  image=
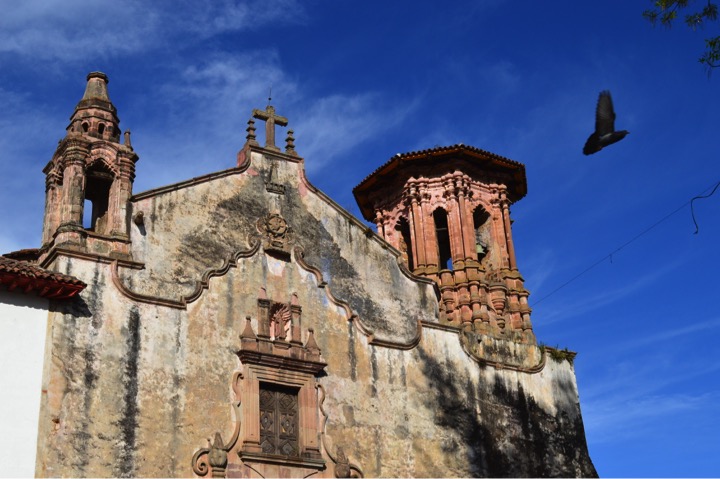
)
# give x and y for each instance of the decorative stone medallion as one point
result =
(276, 235)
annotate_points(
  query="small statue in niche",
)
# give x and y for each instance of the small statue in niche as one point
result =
(280, 321)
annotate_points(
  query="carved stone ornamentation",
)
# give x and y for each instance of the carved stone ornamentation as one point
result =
(277, 235)
(446, 210)
(279, 389)
(342, 466)
(280, 321)
(217, 457)
(214, 458)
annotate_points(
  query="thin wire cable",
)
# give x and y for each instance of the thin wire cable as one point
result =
(692, 211)
(610, 255)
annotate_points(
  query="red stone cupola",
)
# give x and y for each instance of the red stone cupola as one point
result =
(89, 180)
(447, 210)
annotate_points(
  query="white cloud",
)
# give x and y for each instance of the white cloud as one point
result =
(22, 157)
(538, 267)
(71, 30)
(585, 303)
(615, 420)
(197, 119)
(633, 394)
(335, 124)
(212, 101)
(667, 335)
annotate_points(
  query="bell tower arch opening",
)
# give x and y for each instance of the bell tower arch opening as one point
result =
(405, 240)
(442, 235)
(481, 225)
(99, 180)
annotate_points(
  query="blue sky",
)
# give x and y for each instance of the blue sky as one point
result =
(361, 81)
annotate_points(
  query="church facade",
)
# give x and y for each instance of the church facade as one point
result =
(242, 324)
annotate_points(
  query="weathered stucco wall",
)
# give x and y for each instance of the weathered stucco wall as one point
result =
(195, 227)
(139, 369)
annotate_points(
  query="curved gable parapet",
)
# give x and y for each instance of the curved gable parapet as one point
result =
(196, 226)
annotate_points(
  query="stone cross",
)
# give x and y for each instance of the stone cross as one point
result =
(270, 119)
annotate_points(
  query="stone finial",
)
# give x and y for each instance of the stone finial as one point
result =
(96, 87)
(311, 344)
(251, 138)
(248, 332)
(127, 139)
(217, 457)
(290, 143)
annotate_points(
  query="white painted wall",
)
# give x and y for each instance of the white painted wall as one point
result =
(23, 324)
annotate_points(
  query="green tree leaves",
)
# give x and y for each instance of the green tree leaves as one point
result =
(665, 12)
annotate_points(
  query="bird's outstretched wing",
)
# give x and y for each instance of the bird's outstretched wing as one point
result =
(604, 114)
(604, 133)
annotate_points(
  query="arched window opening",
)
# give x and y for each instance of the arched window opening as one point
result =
(97, 193)
(85, 126)
(403, 231)
(443, 238)
(482, 232)
(101, 128)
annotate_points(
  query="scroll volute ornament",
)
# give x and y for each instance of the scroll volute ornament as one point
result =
(214, 458)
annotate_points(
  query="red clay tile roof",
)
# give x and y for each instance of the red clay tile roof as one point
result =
(443, 149)
(30, 254)
(26, 277)
(483, 159)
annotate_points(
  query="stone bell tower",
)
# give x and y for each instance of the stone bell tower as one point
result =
(89, 180)
(447, 210)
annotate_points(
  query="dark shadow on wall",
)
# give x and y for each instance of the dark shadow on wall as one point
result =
(76, 307)
(503, 432)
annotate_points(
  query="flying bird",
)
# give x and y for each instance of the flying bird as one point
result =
(604, 133)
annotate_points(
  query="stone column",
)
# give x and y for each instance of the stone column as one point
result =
(118, 204)
(499, 235)
(296, 313)
(73, 192)
(307, 403)
(263, 318)
(52, 208)
(379, 223)
(251, 415)
(505, 204)
(416, 223)
(468, 225)
(455, 226)
(432, 259)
